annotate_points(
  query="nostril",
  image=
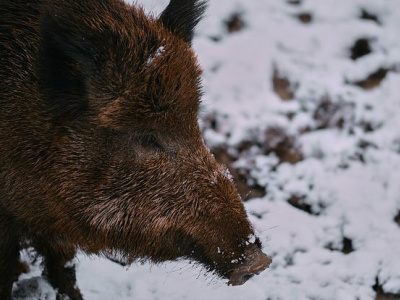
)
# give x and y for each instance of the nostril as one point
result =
(247, 277)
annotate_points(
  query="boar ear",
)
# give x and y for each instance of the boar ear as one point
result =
(182, 16)
(64, 64)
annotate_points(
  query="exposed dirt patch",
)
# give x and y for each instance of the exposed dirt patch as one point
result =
(282, 87)
(373, 80)
(347, 245)
(369, 126)
(210, 121)
(364, 144)
(366, 15)
(329, 114)
(283, 145)
(242, 180)
(360, 48)
(235, 23)
(305, 17)
(397, 219)
(298, 202)
(275, 140)
(216, 38)
(381, 295)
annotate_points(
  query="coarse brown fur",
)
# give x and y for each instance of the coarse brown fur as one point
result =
(100, 149)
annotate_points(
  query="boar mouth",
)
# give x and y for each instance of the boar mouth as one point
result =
(256, 262)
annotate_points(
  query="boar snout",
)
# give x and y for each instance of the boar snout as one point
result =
(255, 262)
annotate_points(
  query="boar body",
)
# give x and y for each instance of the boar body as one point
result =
(100, 149)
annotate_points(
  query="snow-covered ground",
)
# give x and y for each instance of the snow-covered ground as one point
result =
(304, 95)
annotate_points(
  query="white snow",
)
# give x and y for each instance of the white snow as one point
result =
(157, 54)
(353, 191)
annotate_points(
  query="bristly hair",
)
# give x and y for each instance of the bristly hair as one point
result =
(182, 16)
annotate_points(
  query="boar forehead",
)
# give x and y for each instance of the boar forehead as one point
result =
(165, 93)
(132, 70)
(151, 76)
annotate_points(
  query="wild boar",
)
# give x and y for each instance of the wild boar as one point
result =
(100, 148)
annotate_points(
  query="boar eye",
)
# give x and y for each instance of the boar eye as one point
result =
(149, 141)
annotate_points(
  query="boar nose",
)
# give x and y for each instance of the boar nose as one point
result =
(256, 262)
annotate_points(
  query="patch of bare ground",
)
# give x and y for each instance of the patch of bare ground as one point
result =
(241, 177)
(210, 121)
(283, 145)
(366, 15)
(373, 80)
(397, 218)
(329, 114)
(305, 17)
(294, 2)
(235, 23)
(360, 48)
(380, 293)
(273, 141)
(299, 203)
(282, 86)
(277, 141)
(346, 246)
